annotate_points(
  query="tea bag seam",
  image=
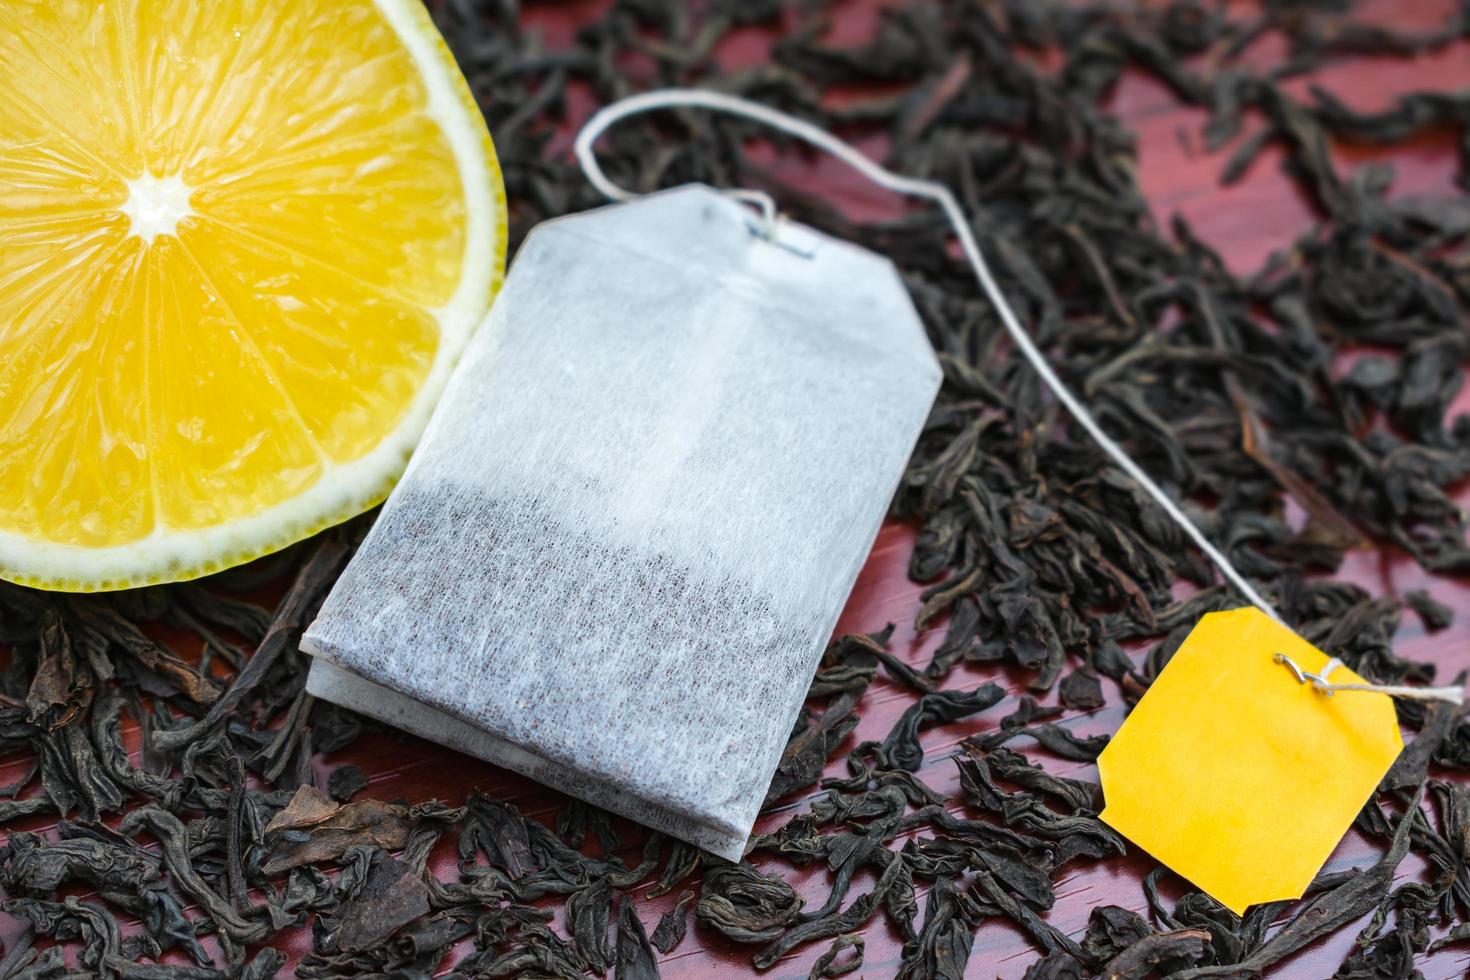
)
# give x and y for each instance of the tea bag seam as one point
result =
(401, 710)
(710, 818)
(793, 311)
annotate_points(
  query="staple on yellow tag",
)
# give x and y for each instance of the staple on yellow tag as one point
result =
(1235, 775)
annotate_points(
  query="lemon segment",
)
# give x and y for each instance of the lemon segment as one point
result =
(241, 246)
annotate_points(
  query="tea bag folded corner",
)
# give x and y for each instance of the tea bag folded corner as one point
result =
(626, 536)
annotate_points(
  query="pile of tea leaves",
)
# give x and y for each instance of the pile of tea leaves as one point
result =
(1041, 555)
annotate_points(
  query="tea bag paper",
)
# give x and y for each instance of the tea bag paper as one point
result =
(629, 529)
(1237, 776)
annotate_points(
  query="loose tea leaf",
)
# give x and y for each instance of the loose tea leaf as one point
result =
(313, 828)
(833, 964)
(1110, 931)
(1154, 951)
(671, 926)
(636, 958)
(901, 749)
(1436, 615)
(1081, 691)
(816, 739)
(746, 905)
(589, 912)
(344, 783)
(393, 896)
(942, 949)
(1054, 738)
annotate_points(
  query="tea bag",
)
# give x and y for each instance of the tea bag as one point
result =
(626, 536)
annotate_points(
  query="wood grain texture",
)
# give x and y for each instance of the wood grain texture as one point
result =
(1245, 222)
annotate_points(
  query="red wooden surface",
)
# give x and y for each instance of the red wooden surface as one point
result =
(1245, 222)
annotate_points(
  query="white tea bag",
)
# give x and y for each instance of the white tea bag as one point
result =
(629, 529)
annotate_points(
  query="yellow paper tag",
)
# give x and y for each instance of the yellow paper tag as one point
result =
(1235, 775)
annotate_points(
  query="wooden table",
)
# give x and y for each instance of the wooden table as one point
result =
(1245, 223)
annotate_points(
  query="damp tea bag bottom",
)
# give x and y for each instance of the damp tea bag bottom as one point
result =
(626, 536)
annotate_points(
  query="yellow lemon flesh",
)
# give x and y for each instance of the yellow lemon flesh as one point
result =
(241, 245)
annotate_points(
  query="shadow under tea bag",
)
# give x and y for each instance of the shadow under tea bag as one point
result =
(640, 506)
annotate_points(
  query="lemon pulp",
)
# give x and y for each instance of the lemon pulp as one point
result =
(241, 244)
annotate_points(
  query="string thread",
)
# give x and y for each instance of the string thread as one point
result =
(1320, 681)
(670, 98)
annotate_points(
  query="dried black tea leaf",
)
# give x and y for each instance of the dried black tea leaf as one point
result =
(344, 782)
(942, 948)
(746, 905)
(393, 895)
(636, 959)
(1054, 738)
(1081, 691)
(1411, 768)
(265, 965)
(672, 925)
(1029, 710)
(811, 745)
(314, 828)
(1161, 951)
(844, 957)
(1436, 615)
(589, 913)
(499, 831)
(577, 819)
(120, 634)
(901, 749)
(1057, 966)
(1110, 931)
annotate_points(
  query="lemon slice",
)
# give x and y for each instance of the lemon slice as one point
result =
(241, 246)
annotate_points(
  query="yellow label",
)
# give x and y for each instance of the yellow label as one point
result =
(1235, 775)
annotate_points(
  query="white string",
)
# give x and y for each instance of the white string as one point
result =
(934, 191)
(676, 97)
(1319, 680)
